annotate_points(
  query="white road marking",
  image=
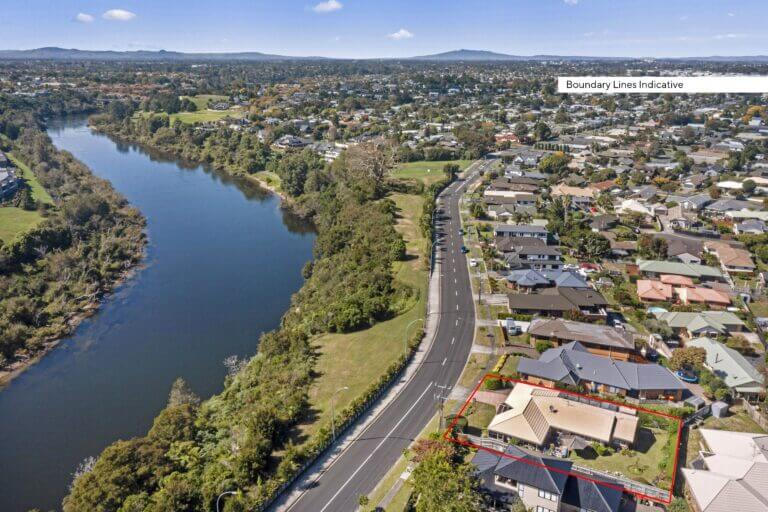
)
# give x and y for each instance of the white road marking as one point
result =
(457, 307)
(453, 340)
(444, 361)
(457, 321)
(415, 403)
(457, 293)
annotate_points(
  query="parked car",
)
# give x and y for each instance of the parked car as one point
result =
(472, 262)
(464, 250)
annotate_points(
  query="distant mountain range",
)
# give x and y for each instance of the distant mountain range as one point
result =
(463, 55)
(54, 53)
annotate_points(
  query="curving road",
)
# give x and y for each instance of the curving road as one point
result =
(368, 458)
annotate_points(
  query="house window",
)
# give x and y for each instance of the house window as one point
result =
(539, 508)
(547, 495)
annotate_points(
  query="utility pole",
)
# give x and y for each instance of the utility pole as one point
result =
(441, 395)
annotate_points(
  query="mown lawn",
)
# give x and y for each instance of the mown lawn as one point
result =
(427, 172)
(15, 220)
(201, 100)
(201, 116)
(640, 464)
(357, 359)
(39, 194)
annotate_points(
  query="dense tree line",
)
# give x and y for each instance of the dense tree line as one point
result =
(88, 239)
(194, 451)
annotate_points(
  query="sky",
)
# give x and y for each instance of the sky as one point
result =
(393, 28)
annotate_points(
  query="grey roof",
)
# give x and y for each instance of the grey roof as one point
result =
(549, 474)
(724, 205)
(594, 334)
(586, 494)
(521, 228)
(728, 364)
(544, 277)
(572, 363)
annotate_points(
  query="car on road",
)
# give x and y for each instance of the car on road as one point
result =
(461, 232)
(464, 249)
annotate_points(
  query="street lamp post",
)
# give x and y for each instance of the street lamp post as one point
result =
(405, 340)
(222, 495)
(333, 412)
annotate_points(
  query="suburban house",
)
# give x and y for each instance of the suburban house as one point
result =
(539, 257)
(703, 323)
(649, 290)
(557, 302)
(538, 417)
(733, 368)
(655, 268)
(529, 279)
(730, 473)
(522, 231)
(9, 183)
(575, 365)
(732, 259)
(600, 340)
(542, 483)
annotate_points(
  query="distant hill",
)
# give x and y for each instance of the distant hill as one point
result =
(54, 53)
(463, 55)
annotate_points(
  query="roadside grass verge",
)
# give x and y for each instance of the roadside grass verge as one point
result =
(428, 171)
(355, 360)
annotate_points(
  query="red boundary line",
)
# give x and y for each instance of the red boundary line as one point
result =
(448, 437)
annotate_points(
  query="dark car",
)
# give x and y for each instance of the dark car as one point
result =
(464, 250)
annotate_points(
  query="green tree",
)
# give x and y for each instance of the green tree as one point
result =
(442, 486)
(688, 358)
(542, 131)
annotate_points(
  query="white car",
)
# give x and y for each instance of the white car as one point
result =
(472, 262)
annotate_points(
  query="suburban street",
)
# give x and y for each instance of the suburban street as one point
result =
(360, 467)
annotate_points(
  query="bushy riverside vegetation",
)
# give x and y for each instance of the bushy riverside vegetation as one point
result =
(88, 238)
(237, 439)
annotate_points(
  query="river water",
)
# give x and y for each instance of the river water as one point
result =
(222, 262)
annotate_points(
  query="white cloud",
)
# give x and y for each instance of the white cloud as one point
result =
(328, 6)
(400, 35)
(729, 36)
(731, 14)
(571, 2)
(83, 17)
(589, 34)
(118, 15)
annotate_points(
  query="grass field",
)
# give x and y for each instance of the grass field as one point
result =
(357, 359)
(427, 172)
(15, 220)
(201, 100)
(39, 194)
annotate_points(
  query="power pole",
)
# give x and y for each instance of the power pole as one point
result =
(441, 395)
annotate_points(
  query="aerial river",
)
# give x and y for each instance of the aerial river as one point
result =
(223, 260)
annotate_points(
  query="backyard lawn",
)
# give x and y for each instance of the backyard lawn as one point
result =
(15, 220)
(427, 172)
(640, 464)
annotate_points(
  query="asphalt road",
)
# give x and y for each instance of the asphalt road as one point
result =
(367, 460)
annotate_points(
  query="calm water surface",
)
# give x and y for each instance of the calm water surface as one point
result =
(223, 261)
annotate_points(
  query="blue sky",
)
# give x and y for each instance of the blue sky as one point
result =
(393, 28)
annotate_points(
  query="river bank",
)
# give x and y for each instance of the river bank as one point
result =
(222, 261)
